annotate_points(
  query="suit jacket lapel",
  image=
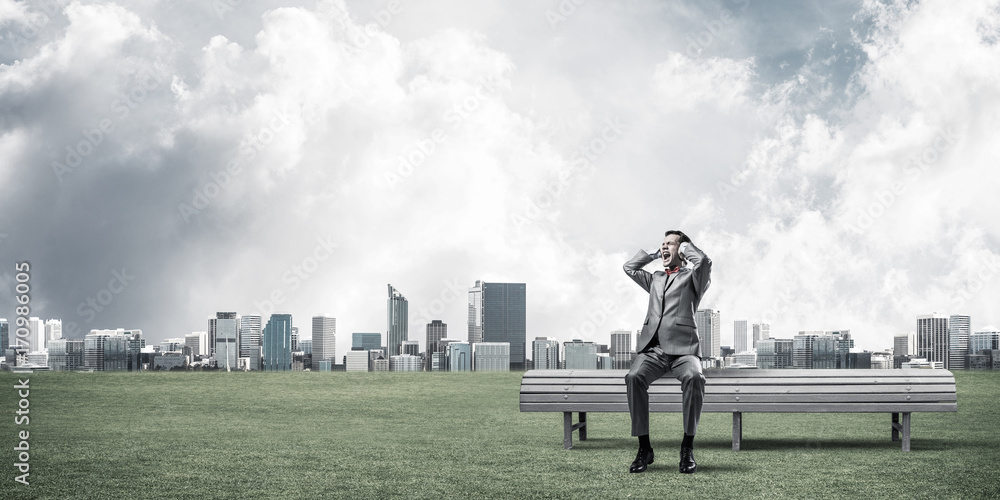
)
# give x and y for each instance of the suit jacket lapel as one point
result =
(670, 280)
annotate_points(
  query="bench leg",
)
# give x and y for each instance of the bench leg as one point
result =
(567, 430)
(569, 427)
(906, 431)
(895, 427)
(737, 430)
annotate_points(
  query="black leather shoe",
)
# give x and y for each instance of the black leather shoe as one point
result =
(687, 461)
(642, 460)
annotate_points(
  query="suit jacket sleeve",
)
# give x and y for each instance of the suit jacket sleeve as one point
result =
(634, 269)
(701, 267)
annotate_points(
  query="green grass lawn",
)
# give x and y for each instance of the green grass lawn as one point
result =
(457, 435)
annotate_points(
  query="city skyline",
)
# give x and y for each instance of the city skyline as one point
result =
(297, 159)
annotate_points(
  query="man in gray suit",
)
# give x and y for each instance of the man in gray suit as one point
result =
(669, 341)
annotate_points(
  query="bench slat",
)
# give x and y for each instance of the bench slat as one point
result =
(773, 389)
(667, 380)
(755, 373)
(750, 407)
(752, 398)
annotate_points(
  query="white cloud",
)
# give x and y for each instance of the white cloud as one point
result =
(684, 83)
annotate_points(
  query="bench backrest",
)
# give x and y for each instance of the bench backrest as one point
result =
(731, 390)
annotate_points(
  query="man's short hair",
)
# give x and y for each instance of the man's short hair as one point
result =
(683, 237)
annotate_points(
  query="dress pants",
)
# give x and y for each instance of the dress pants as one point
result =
(651, 365)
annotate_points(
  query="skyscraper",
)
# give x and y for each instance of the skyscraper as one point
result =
(436, 330)
(397, 322)
(65, 354)
(760, 331)
(277, 343)
(227, 327)
(113, 350)
(984, 339)
(740, 335)
(802, 349)
(324, 340)
(774, 353)
(904, 344)
(545, 353)
(709, 323)
(503, 314)
(211, 336)
(932, 338)
(36, 334)
(411, 347)
(53, 330)
(958, 342)
(4, 336)
(250, 330)
(476, 313)
(198, 342)
(621, 349)
(362, 341)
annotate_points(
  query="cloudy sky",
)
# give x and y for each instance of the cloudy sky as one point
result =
(161, 161)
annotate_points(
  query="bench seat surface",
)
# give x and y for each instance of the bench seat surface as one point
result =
(781, 391)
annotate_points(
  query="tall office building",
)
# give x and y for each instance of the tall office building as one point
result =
(958, 342)
(774, 353)
(476, 313)
(53, 330)
(904, 344)
(491, 357)
(65, 354)
(760, 331)
(324, 340)
(211, 336)
(113, 350)
(580, 355)
(621, 349)
(932, 338)
(502, 314)
(397, 322)
(411, 347)
(227, 352)
(709, 323)
(362, 341)
(250, 331)
(36, 334)
(545, 353)
(983, 340)
(802, 349)
(436, 330)
(740, 335)
(277, 343)
(459, 357)
(824, 352)
(5, 336)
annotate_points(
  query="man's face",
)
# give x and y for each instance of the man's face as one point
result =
(671, 257)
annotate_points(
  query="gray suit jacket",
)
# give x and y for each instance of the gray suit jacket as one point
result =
(672, 301)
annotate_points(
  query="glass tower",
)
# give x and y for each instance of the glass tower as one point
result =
(277, 343)
(397, 322)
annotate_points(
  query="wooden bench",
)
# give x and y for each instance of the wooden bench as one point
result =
(899, 392)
